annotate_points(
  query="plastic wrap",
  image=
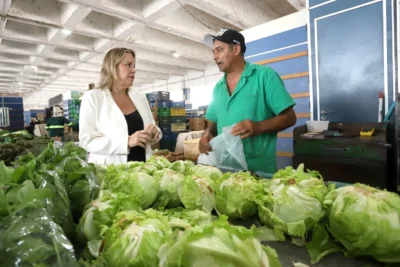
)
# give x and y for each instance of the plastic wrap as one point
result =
(30, 237)
(80, 183)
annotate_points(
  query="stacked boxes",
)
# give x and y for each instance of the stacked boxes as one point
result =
(170, 117)
(74, 106)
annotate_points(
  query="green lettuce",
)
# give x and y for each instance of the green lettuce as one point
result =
(197, 193)
(236, 196)
(365, 221)
(292, 201)
(168, 181)
(135, 238)
(217, 244)
(184, 167)
(143, 186)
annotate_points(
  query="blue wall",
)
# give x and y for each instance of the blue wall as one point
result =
(348, 60)
(285, 44)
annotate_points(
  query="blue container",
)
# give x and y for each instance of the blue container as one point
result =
(164, 103)
(165, 127)
(178, 104)
(169, 136)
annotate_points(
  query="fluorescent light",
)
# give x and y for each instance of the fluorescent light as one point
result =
(20, 83)
(175, 54)
(65, 31)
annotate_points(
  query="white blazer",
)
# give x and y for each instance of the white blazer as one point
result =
(103, 130)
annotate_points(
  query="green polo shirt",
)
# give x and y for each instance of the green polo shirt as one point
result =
(259, 95)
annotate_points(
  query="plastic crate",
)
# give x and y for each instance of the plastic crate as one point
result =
(178, 104)
(178, 112)
(164, 103)
(178, 127)
(168, 144)
(178, 119)
(169, 136)
(164, 112)
(164, 119)
(203, 108)
(165, 127)
(158, 96)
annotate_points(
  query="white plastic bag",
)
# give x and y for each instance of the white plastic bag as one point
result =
(227, 151)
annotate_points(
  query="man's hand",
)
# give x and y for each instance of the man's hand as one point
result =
(204, 145)
(245, 129)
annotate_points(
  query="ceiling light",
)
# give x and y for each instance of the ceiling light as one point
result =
(65, 31)
(20, 83)
(31, 68)
(175, 54)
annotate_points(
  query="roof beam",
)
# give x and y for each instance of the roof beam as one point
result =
(159, 8)
(297, 4)
(4, 6)
(236, 12)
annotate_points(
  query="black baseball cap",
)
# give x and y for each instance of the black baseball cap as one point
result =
(228, 36)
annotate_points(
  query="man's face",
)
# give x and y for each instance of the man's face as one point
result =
(223, 55)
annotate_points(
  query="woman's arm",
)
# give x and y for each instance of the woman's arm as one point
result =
(92, 140)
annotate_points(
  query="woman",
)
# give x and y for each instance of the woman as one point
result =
(116, 124)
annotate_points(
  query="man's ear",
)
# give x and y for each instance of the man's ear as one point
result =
(237, 50)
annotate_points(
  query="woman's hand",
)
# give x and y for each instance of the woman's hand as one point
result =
(139, 138)
(152, 130)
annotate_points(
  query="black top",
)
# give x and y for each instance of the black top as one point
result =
(135, 123)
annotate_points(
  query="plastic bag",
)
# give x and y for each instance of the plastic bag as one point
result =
(227, 151)
(30, 237)
(80, 183)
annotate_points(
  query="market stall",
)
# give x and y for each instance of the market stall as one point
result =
(60, 211)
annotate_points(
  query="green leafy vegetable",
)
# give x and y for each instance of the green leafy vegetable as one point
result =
(197, 193)
(217, 244)
(139, 184)
(365, 221)
(31, 238)
(169, 182)
(184, 167)
(292, 201)
(135, 238)
(236, 196)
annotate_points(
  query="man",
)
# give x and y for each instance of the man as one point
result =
(55, 124)
(252, 97)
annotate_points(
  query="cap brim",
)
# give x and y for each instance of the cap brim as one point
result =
(209, 40)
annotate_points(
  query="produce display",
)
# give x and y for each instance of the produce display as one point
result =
(16, 143)
(58, 210)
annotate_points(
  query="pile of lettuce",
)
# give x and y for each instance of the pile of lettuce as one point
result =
(55, 208)
(39, 199)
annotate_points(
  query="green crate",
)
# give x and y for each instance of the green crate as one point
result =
(168, 144)
(164, 119)
(164, 112)
(178, 119)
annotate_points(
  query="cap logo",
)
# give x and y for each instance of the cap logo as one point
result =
(221, 32)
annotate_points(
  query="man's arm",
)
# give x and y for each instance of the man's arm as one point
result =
(279, 123)
(209, 133)
(211, 130)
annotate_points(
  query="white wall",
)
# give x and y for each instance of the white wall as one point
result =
(202, 84)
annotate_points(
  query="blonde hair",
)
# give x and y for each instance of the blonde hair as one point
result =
(108, 73)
